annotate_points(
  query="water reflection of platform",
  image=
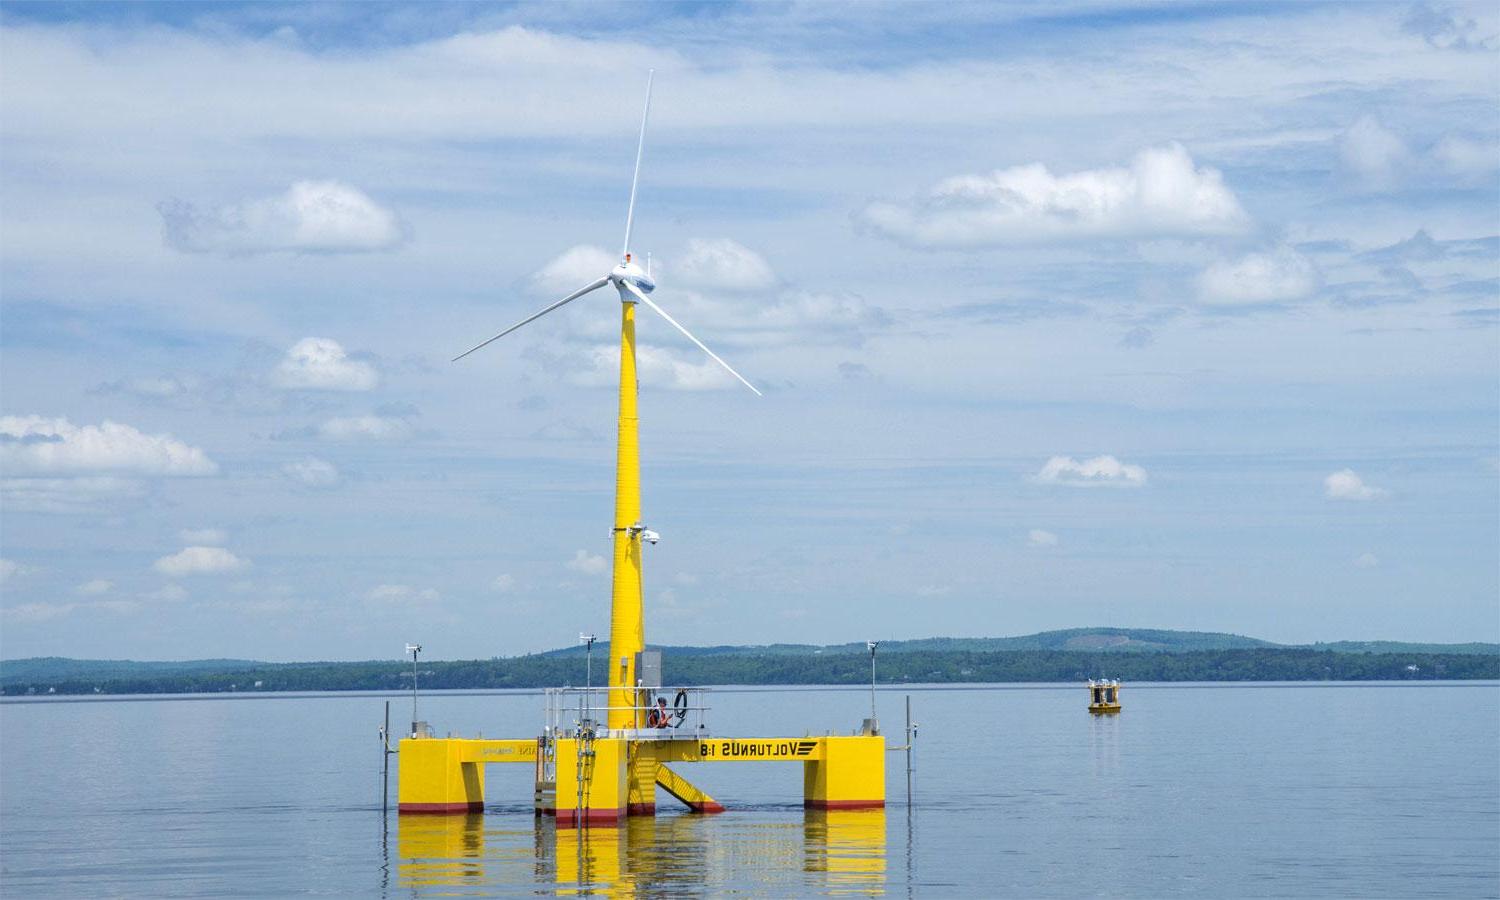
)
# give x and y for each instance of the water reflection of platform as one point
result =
(776, 853)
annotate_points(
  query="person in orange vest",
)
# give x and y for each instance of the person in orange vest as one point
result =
(658, 717)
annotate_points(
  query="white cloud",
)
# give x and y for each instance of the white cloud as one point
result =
(199, 561)
(312, 472)
(118, 607)
(1161, 193)
(401, 593)
(37, 444)
(37, 612)
(96, 587)
(785, 315)
(656, 367)
(169, 593)
(310, 217)
(9, 569)
(1466, 159)
(723, 264)
(1039, 538)
(704, 287)
(1373, 154)
(1442, 27)
(65, 495)
(353, 428)
(1346, 485)
(588, 563)
(1099, 471)
(573, 269)
(502, 584)
(321, 364)
(203, 536)
(1275, 276)
(660, 367)
(1366, 561)
(795, 316)
(159, 387)
(1379, 158)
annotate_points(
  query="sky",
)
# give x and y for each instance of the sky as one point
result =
(1105, 313)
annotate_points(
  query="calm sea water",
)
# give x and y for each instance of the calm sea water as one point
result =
(1201, 790)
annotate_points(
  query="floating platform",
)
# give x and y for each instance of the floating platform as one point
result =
(588, 780)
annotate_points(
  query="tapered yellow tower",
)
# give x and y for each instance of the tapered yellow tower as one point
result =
(627, 630)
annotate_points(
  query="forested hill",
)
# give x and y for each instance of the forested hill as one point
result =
(1094, 640)
(1128, 654)
(56, 668)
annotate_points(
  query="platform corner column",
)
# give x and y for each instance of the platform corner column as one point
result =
(432, 777)
(849, 774)
(592, 781)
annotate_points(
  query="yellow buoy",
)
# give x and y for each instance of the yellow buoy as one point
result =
(1104, 697)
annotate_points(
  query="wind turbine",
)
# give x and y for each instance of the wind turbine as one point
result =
(627, 635)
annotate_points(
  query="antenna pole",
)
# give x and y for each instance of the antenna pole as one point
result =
(584, 706)
(414, 649)
(908, 751)
(640, 148)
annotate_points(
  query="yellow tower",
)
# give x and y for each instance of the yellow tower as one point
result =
(627, 630)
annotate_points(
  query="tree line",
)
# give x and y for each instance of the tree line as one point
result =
(937, 667)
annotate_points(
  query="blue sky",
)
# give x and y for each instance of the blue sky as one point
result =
(1162, 315)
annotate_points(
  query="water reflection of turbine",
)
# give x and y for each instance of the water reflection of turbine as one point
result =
(848, 846)
(441, 851)
(842, 851)
(588, 861)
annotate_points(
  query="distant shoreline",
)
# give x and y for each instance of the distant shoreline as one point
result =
(754, 667)
(1060, 686)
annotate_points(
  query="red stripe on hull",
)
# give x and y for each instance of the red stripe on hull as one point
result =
(570, 818)
(440, 809)
(706, 807)
(641, 809)
(843, 804)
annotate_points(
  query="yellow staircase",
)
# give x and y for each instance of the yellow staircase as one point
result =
(684, 790)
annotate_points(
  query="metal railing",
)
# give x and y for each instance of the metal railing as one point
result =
(583, 708)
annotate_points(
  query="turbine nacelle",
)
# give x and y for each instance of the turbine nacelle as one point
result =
(628, 272)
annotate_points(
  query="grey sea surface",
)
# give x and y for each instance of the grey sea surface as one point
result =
(1243, 790)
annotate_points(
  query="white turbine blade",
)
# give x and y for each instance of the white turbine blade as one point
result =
(592, 286)
(675, 324)
(634, 179)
